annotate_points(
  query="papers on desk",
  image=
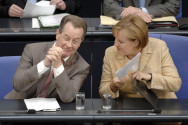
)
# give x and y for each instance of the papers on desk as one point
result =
(35, 23)
(48, 21)
(42, 104)
(105, 20)
(52, 20)
(125, 69)
(109, 21)
(41, 8)
(167, 18)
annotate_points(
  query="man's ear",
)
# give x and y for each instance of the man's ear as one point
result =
(57, 34)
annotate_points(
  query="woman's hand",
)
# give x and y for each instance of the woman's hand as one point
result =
(141, 76)
(116, 84)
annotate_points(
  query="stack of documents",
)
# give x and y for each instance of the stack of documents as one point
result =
(41, 8)
(42, 104)
(167, 18)
(52, 20)
(109, 21)
(105, 20)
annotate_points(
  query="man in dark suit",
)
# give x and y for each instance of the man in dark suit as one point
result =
(150, 8)
(14, 8)
(60, 57)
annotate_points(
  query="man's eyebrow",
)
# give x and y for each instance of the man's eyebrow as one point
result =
(66, 35)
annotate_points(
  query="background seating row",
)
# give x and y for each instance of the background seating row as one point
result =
(93, 8)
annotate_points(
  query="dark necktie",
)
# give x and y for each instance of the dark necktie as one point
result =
(47, 84)
(141, 3)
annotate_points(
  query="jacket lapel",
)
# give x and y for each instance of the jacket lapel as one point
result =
(121, 60)
(71, 60)
(145, 54)
(135, 3)
(147, 3)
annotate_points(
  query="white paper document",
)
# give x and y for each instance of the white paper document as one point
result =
(41, 8)
(42, 104)
(125, 69)
(52, 20)
(35, 23)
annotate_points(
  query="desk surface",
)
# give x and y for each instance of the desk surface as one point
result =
(172, 110)
(16, 27)
(15, 110)
(106, 31)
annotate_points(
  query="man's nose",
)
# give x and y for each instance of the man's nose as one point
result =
(69, 44)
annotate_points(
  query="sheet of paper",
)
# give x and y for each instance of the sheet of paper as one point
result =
(43, 3)
(42, 104)
(167, 18)
(53, 20)
(35, 23)
(34, 10)
(105, 20)
(125, 69)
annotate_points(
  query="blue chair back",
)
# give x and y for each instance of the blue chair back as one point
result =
(8, 65)
(158, 36)
(178, 47)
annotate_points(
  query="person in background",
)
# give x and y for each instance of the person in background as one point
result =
(155, 67)
(14, 8)
(146, 9)
(53, 69)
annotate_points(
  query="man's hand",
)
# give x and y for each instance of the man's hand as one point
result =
(15, 11)
(116, 83)
(60, 4)
(130, 10)
(137, 11)
(141, 76)
(145, 16)
(53, 57)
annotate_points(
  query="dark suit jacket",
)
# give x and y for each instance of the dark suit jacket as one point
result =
(28, 84)
(157, 8)
(72, 6)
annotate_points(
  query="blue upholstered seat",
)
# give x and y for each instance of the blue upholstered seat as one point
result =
(8, 65)
(178, 47)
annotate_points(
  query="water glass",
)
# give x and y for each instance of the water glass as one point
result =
(80, 101)
(107, 101)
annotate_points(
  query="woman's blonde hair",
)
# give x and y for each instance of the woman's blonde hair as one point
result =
(135, 28)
